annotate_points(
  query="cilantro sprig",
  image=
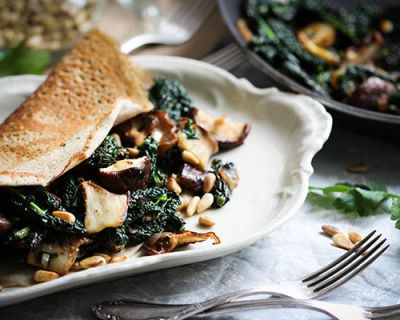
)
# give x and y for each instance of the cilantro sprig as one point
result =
(361, 199)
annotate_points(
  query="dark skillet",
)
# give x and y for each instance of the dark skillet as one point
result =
(375, 123)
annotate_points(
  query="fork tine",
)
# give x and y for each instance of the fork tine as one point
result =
(390, 313)
(352, 271)
(191, 13)
(384, 309)
(227, 58)
(345, 263)
(338, 260)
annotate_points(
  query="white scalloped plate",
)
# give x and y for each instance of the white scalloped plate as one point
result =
(274, 164)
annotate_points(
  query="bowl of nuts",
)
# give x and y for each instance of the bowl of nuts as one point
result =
(37, 32)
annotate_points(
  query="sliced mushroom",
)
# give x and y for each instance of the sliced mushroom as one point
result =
(322, 34)
(228, 134)
(367, 51)
(5, 225)
(103, 208)
(191, 179)
(126, 175)
(164, 132)
(308, 44)
(134, 131)
(156, 124)
(168, 241)
(57, 257)
(200, 149)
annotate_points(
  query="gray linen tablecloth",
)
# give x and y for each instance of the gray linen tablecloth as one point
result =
(290, 252)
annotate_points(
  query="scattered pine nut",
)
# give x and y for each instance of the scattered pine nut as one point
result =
(192, 206)
(185, 199)
(173, 185)
(104, 255)
(133, 151)
(205, 202)
(1, 288)
(118, 259)
(206, 221)
(340, 240)
(189, 157)
(386, 26)
(358, 168)
(92, 262)
(330, 230)
(64, 215)
(355, 237)
(44, 275)
(209, 181)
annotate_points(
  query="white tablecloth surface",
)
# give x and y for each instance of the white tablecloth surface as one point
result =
(290, 252)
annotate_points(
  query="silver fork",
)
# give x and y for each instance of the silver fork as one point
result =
(175, 29)
(228, 57)
(314, 285)
(335, 310)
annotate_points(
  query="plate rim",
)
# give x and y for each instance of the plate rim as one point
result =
(317, 135)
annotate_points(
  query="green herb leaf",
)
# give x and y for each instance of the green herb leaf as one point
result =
(190, 130)
(21, 60)
(363, 200)
(395, 212)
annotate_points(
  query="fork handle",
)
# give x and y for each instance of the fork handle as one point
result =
(135, 310)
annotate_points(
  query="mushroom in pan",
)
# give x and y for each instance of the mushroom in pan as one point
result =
(367, 51)
(373, 94)
(103, 208)
(126, 175)
(167, 241)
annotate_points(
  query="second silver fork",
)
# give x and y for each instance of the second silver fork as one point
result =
(314, 285)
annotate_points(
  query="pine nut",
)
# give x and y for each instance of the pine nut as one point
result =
(185, 199)
(330, 230)
(64, 215)
(105, 256)
(92, 262)
(340, 240)
(209, 181)
(44, 275)
(206, 221)
(118, 259)
(173, 185)
(355, 237)
(1, 288)
(192, 206)
(356, 168)
(189, 157)
(133, 151)
(205, 202)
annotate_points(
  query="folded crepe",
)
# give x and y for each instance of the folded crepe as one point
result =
(60, 125)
